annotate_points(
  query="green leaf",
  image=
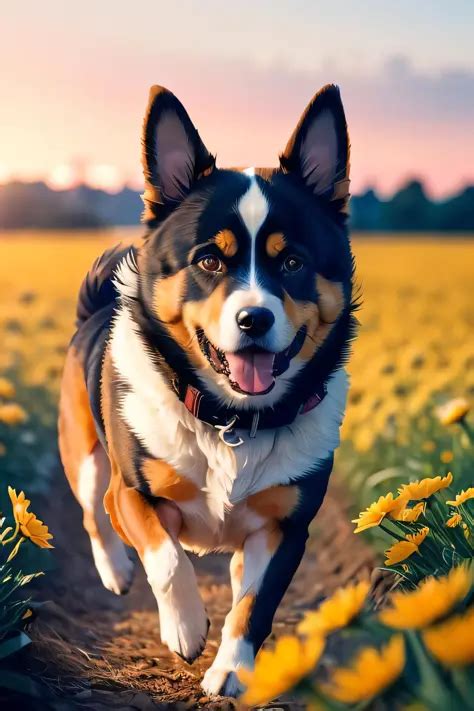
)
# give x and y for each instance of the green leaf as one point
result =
(14, 644)
(19, 683)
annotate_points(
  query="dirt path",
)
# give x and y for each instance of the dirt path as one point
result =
(99, 650)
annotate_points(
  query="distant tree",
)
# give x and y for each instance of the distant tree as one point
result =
(365, 211)
(35, 205)
(408, 210)
(457, 213)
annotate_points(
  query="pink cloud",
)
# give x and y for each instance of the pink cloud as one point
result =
(402, 122)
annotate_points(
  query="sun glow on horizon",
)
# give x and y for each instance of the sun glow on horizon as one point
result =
(99, 176)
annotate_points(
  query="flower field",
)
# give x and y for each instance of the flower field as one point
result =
(413, 351)
(406, 464)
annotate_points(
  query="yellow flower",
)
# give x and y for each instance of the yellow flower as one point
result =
(453, 411)
(376, 512)
(424, 488)
(7, 389)
(418, 537)
(409, 515)
(19, 504)
(454, 521)
(36, 530)
(452, 642)
(428, 446)
(462, 497)
(278, 670)
(372, 672)
(12, 414)
(29, 525)
(335, 612)
(404, 549)
(433, 599)
(446, 456)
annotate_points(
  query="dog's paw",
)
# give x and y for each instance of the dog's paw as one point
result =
(221, 677)
(113, 565)
(221, 682)
(183, 623)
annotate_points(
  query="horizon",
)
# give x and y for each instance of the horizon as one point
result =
(115, 190)
(245, 80)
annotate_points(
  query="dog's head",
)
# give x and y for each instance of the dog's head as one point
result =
(247, 275)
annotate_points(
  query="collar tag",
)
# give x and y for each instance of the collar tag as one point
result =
(254, 428)
(227, 433)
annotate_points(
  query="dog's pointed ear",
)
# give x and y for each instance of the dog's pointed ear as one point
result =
(318, 150)
(173, 154)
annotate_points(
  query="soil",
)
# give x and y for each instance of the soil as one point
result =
(94, 650)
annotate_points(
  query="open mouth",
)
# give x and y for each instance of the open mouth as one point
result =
(253, 370)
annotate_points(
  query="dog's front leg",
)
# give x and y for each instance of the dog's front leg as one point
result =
(262, 572)
(260, 575)
(152, 529)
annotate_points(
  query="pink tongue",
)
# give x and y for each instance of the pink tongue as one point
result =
(253, 372)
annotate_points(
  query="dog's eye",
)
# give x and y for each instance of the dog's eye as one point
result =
(292, 263)
(210, 263)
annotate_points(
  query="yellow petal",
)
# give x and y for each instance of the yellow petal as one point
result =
(400, 551)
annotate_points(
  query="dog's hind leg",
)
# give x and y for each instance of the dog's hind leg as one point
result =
(88, 470)
(153, 529)
(110, 554)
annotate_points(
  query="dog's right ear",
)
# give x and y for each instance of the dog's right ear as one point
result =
(173, 155)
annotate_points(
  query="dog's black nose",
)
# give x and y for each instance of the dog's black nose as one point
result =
(255, 321)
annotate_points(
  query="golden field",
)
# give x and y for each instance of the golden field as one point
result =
(416, 317)
(414, 350)
(415, 341)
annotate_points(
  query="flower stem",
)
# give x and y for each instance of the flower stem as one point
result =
(13, 536)
(461, 682)
(391, 533)
(432, 691)
(467, 430)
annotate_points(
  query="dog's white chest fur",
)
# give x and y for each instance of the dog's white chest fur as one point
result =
(226, 476)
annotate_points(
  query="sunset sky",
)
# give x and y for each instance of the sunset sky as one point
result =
(75, 78)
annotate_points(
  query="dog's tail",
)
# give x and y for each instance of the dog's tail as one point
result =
(98, 288)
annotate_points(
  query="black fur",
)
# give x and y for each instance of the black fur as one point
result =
(97, 289)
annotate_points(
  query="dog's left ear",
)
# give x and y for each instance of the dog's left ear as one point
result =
(173, 154)
(318, 150)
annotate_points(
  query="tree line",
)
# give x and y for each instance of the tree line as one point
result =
(35, 205)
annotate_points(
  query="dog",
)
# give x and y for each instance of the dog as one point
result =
(204, 388)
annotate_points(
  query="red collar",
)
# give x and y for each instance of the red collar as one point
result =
(227, 420)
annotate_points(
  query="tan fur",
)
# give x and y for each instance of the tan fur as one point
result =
(137, 519)
(331, 298)
(275, 244)
(227, 242)
(205, 313)
(167, 297)
(183, 319)
(77, 435)
(237, 621)
(319, 318)
(277, 502)
(166, 483)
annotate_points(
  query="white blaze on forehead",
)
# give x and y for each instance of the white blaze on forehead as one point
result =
(253, 209)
